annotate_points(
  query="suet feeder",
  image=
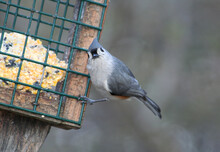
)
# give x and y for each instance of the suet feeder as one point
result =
(64, 30)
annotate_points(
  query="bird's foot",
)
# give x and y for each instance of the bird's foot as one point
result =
(85, 99)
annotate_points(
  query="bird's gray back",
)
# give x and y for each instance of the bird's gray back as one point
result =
(122, 81)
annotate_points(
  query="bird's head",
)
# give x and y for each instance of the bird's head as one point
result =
(96, 50)
(96, 53)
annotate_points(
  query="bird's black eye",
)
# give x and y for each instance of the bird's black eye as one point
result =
(102, 49)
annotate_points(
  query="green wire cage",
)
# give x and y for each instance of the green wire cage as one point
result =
(66, 27)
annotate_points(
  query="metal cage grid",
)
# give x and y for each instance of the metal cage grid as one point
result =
(66, 4)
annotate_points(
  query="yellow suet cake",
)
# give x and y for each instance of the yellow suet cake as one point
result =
(31, 73)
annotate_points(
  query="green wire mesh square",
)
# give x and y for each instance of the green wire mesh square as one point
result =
(50, 22)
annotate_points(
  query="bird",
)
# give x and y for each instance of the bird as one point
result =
(113, 79)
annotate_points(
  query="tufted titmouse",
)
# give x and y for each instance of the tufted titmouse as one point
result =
(114, 79)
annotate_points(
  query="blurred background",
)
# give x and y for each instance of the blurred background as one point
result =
(173, 49)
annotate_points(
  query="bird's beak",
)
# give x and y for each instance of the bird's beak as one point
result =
(95, 56)
(94, 53)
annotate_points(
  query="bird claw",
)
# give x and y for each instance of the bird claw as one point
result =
(84, 100)
(87, 100)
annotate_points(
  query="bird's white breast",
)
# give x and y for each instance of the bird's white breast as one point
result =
(100, 70)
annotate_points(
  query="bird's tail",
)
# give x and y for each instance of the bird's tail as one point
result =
(151, 105)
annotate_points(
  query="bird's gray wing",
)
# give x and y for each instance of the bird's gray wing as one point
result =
(122, 81)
